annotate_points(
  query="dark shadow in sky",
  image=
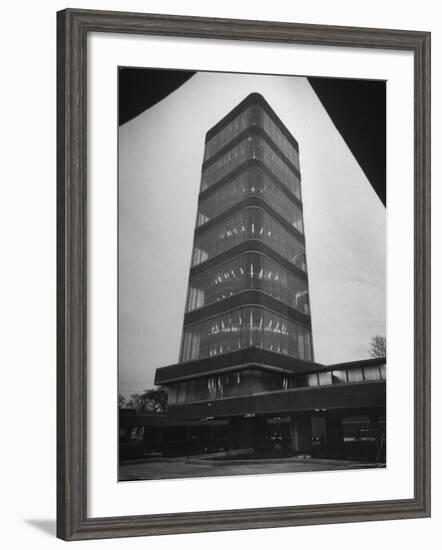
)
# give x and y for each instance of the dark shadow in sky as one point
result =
(358, 110)
(356, 107)
(140, 89)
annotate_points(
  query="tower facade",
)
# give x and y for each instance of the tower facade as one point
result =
(248, 284)
(247, 318)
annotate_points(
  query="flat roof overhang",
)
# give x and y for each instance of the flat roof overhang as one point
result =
(352, 396)
(246, 358)
(235, 360)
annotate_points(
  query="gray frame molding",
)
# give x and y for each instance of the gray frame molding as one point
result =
(72, 29)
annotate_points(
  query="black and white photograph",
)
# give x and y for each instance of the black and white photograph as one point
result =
(251, 274)
(217, 285)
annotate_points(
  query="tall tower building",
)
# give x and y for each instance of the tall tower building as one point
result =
(247, 323)
(248, 284)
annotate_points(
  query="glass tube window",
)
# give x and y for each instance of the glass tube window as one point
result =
(372, 373)
(265, 153)
(251, 183)
(251, 223)
(251, 117)
(252, 147)
(247, 382)
(225, 164)
(273, 131)
(232, 384)
(383, 370)
(245, 327)
(224, 198)
(217, 239)
(325, 378)
(247, 272)
(339, 376)
(248, 118)
(355, 375)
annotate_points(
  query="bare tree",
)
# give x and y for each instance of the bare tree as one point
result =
(152, 401)
(378, 346)
(135, 402)
(121, 401)
(155, 400)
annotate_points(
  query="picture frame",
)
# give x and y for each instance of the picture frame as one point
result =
(73, 28)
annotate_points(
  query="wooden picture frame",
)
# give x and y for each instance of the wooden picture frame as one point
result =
(73, 27)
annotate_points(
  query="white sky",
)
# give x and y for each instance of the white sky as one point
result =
(160, 157)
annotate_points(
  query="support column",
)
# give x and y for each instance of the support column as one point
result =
(301, 433)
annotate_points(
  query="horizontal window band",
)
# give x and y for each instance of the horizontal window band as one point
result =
(263, 368)
(251, 163)
(252, 99)
(259, 255)
(357, 396)
(247, 298)
(252, 245)
(250, 131)
(251, 202)
(248, 271)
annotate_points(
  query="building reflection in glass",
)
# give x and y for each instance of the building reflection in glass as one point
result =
(253, 381)
(257, 148)
(246, 327)
(254, 182)
(249, 224)
(248, 272)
